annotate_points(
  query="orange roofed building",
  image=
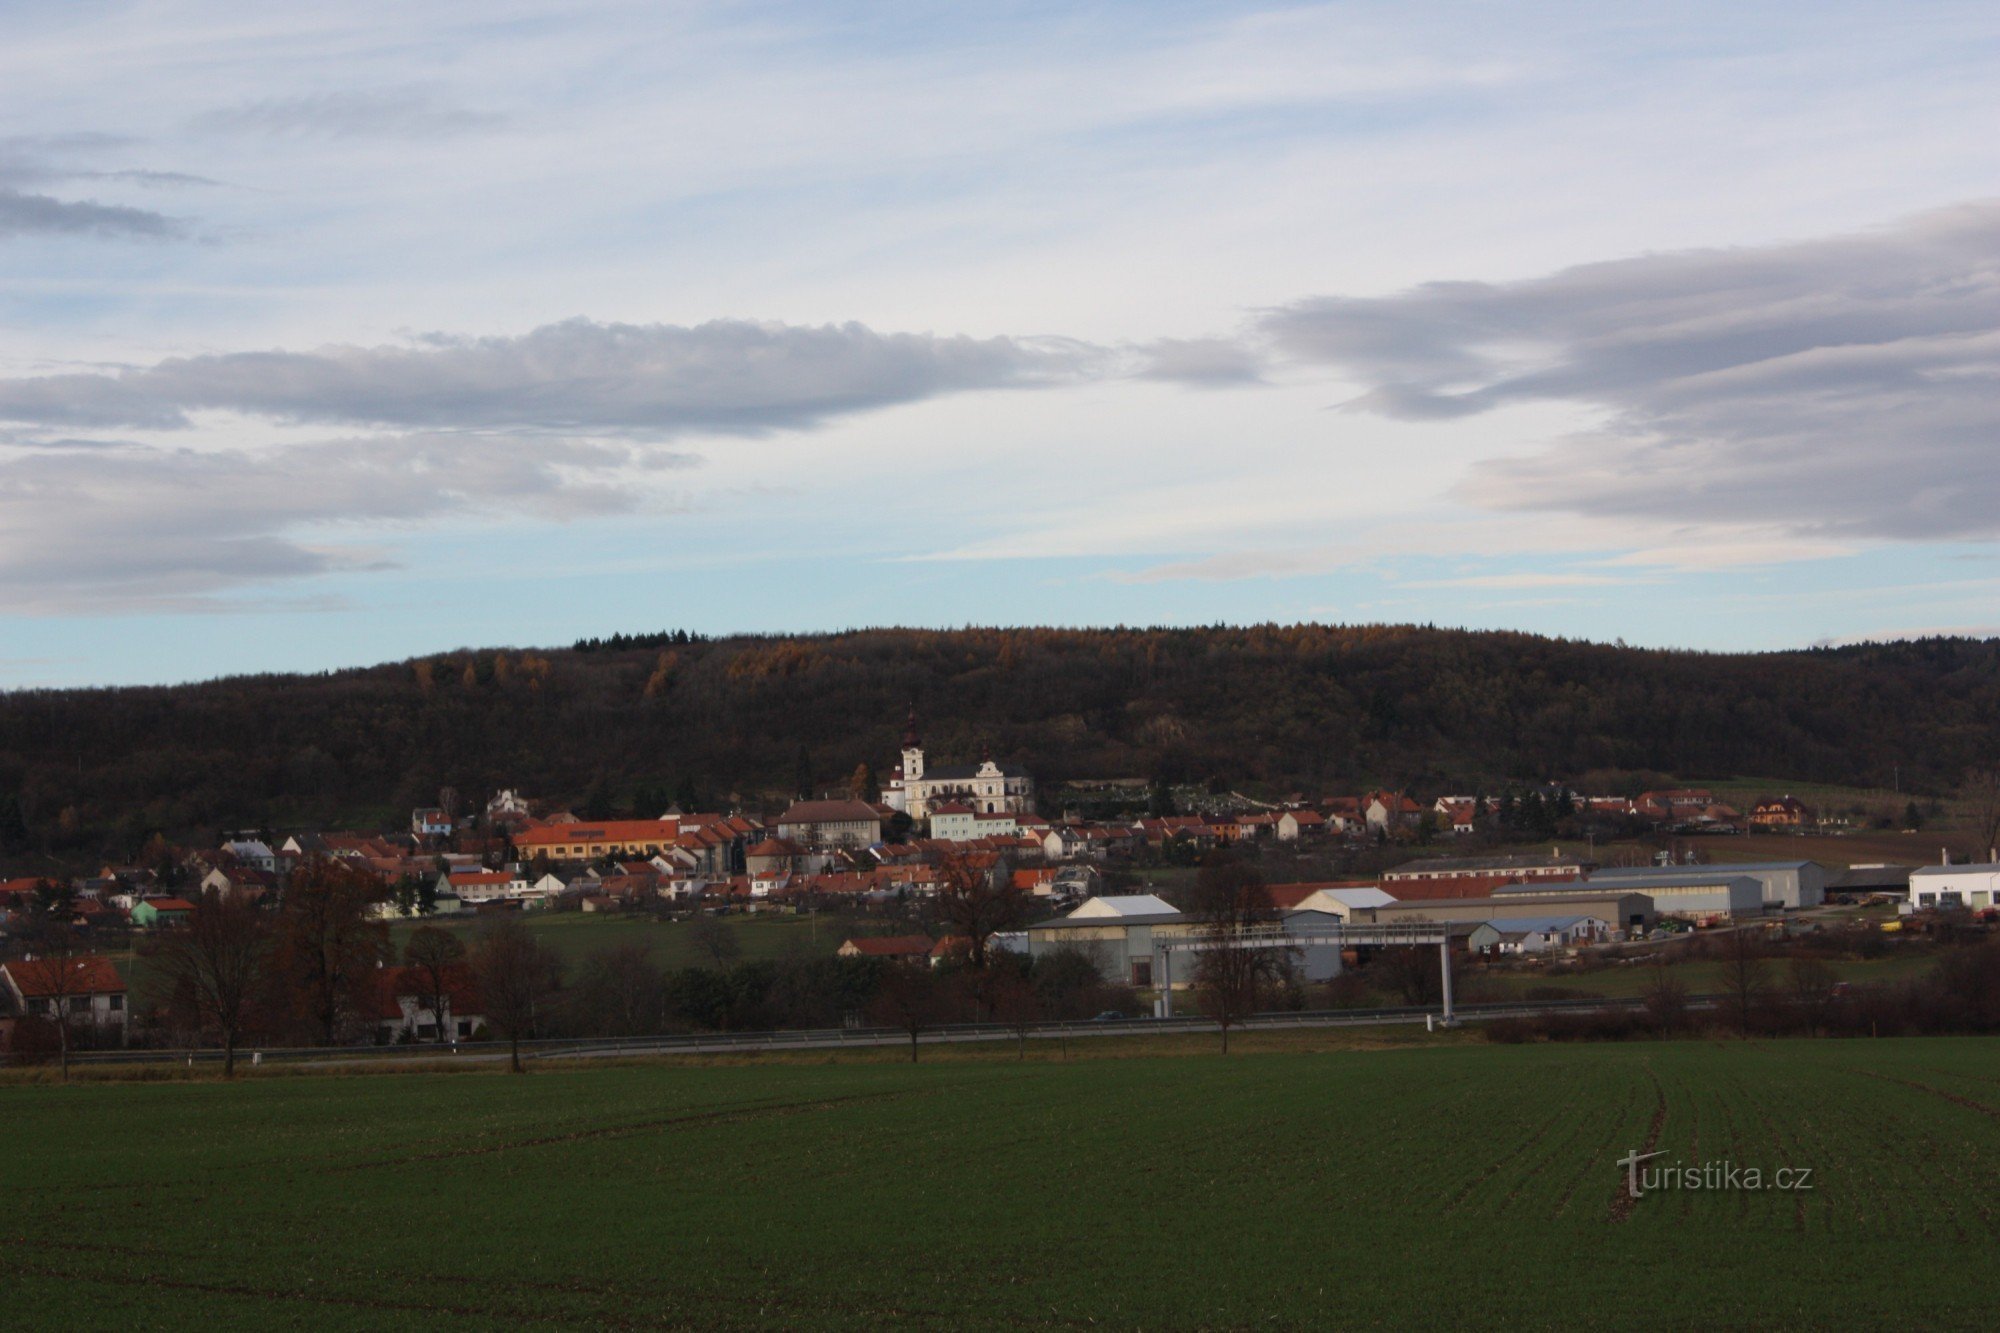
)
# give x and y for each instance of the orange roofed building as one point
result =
(583, 841)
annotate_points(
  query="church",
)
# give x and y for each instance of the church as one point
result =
(988, 788)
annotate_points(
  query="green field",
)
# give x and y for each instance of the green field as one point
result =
(1449, 1185)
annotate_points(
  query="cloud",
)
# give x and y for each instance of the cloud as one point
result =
(23, 214)
(1846, 387)
(726, 376)
(1202, 362)
(169, 529)
(564, 422)
(394, 113)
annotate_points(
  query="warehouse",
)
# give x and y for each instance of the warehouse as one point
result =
(1787, 884)
(1692, 893)
(1124, 935)
(1627, 912)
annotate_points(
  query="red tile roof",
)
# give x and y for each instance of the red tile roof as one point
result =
(42, 977)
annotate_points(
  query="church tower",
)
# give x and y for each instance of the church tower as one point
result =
(913, 754)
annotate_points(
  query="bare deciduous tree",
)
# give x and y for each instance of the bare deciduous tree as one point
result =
(621, 992)
(1815, 986)
(516, 973)
(434, 953)
(909, 998)
(215, 961)
(1744, 977)
(329, 945)
(976, 902)
(1666, 1000)
(1981, 792)
(1015, 1003)
(712, 937)
(1233, 968)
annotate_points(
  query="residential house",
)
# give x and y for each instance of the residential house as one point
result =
(1390, 812)
(831, 824)
(405, 1010)
(88, 992)
(158, 913)
(430, 823)
(1783, 812)
(1298, 825)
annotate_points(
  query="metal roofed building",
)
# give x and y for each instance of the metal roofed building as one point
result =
(1695, 893)
(1122, 933)
(1629, 911)
(1787, 884)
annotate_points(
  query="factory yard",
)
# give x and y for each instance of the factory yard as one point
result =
(1414, 1185)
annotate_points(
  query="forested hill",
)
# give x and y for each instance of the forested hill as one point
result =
(1306, 707)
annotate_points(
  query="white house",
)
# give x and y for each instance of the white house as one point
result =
(482, 886)
(954, 821)
(1296, 824)
(253, 852)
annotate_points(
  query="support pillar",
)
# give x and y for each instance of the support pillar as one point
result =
(1444, 968)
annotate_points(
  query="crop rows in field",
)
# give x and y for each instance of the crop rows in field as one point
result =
(1401, 1187)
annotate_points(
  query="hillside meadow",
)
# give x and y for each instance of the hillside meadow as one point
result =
(1426, 1185)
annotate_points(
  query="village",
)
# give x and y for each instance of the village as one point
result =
(1115, 893)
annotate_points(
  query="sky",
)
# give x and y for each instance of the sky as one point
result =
(340, 334)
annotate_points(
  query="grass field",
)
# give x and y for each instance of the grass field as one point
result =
(1455, 1184)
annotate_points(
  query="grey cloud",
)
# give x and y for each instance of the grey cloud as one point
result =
(158, 529)
(727, 376)
(1848, 385)
(1202, 362)
(396, 113)
(23, 214)
(171, 180)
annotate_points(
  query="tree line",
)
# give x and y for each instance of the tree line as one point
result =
(617, 723)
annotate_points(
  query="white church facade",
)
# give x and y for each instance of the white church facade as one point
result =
(987, 788)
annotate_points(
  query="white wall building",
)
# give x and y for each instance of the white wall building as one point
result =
(1973, 887)
(985, 787)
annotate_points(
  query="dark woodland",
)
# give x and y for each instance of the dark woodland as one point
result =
(632, 722)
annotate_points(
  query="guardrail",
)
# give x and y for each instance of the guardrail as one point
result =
(695, 1043)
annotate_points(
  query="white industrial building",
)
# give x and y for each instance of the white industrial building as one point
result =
(1973, 886)
(1127, 936)
(1787, 884)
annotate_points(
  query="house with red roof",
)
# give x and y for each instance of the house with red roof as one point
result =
(1297, 825)
(155, 913)
(404, 1009)
(88, 992)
